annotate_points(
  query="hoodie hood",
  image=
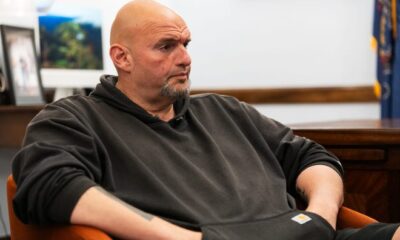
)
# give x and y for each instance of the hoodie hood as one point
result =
(107, 92)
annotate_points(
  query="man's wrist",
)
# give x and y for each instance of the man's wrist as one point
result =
(327, 211)
(169, 231)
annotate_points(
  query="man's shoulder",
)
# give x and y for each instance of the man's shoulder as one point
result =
(217, 103)
(71, 104)
(74, 99)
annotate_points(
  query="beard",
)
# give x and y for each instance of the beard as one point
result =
(172, 92)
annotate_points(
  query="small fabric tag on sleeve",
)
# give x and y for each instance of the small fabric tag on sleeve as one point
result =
(301, 218)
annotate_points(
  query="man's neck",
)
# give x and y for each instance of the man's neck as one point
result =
(164, 114)
(161, 107)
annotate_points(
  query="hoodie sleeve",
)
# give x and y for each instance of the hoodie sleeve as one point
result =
(56, 165)
(293, 152)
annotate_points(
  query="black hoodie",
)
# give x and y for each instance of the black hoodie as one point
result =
(218, 162)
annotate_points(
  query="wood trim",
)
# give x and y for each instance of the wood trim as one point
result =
(9, 109)
(354, 94)
(364, 132)
(363, 94)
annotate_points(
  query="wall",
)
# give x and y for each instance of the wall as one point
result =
(258, 43)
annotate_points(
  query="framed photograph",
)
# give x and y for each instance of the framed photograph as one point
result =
(20, 65)
(71, 37)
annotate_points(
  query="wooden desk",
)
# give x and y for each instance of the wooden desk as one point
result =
(370, 153)
(13, 122)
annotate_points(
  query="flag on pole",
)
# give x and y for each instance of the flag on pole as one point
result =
(387, 45)
(396, 60)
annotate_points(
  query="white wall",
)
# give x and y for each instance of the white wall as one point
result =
(18, 12)
(267, 43)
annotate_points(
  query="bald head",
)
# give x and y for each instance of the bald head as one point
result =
(136, 15)
(149, 50)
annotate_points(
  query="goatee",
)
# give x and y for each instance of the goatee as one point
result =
(171, 92)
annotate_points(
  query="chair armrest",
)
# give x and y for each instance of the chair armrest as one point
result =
(77, 232)
(348, 218)
(21, 231)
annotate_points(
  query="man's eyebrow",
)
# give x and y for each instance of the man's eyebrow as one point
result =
(171, 40)
(168, 39)
(165, 41)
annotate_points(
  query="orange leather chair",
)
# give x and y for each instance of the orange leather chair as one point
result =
(20, 231)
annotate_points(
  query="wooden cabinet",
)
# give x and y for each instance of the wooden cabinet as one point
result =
(370, 153)
(13, 122)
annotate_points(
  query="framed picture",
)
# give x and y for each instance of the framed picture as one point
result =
(20, 65)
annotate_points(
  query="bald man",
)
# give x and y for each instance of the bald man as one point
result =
(141, 159)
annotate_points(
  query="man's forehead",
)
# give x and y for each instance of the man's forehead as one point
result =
(146, 17)
(172, 31)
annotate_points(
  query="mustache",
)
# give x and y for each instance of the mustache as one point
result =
(180, 74)
(183, 72)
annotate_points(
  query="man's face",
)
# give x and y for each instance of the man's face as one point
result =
(161, 62)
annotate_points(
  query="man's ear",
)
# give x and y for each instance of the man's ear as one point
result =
(121, 57)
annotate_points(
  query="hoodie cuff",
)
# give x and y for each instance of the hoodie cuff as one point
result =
(64, 203)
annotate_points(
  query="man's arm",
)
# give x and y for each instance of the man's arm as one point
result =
(99, 209)
(322, 188)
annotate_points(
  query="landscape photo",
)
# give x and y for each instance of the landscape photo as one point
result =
(71, 37)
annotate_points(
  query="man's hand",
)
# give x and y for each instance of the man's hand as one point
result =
(322, 188)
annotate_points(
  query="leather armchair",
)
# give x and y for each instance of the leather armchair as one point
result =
(21, 231)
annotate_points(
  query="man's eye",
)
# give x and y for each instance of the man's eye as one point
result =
(166, 47)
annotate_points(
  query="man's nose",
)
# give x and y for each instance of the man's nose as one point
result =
(184, 58)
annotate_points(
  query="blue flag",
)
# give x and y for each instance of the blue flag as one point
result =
(387, 44)
(396, 61)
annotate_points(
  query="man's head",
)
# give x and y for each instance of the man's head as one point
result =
(148, 48)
